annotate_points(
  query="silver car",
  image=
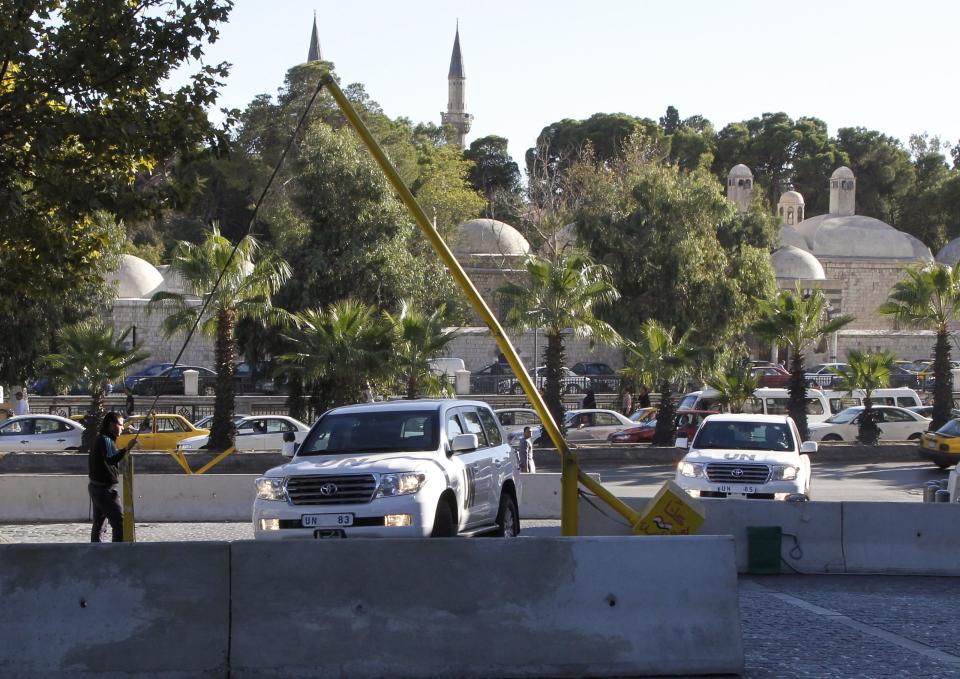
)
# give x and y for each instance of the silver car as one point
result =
(36, 433)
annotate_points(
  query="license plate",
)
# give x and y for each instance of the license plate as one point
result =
(326, 520)
(736, 489)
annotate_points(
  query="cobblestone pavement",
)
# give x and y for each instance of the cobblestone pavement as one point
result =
(793, 626)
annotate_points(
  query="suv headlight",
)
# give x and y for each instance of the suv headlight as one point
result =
(402, 483)
(271, 489)
(783, 472)
(692, 469)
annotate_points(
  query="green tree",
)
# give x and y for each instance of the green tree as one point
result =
(929, 297)
(735, 386)
(558, 296)
(670, 121)
(496, 176)
(337, 351)
(661, 357)
(868, 371)
(234, 285)
(796, 319)
(91, 352)
(418, 337)
(883, 170)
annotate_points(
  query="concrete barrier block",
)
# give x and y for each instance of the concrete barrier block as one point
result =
(145, 610)
(953, 486)
(540, 495)
(49, 497)
(198, 497)
(534, 607)
(900, 537)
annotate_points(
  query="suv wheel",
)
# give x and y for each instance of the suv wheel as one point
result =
(443, 521)
(508, 518)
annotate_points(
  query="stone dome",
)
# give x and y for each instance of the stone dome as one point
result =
(791, 198)
(740, 170)
(950, 254)
(792, 262)
(842, 172)
(859, 236)
(790, 236)
(489, 237)
(136, 278)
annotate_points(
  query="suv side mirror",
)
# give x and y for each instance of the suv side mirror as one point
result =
(808, 447)
(464, 442)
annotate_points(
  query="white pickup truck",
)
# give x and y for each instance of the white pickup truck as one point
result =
(747, 456)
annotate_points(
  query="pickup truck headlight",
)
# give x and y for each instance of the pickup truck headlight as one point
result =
(692, 469)
(402, 483)
(783, 472)
(271, 489)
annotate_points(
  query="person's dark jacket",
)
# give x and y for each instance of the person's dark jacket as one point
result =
(104, 461)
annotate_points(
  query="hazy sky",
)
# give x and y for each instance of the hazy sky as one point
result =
(889, 66)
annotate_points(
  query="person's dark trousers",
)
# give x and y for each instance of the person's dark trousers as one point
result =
(106, 506)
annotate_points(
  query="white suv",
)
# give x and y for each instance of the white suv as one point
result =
(394, 469)
(747, 456)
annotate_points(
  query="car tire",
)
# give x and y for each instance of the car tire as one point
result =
(832, 437)
(508, 517)
(915, 436)
(443, 525)
(943, 465)
(208, 391)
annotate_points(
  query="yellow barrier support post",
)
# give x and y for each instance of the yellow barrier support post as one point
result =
(215, 460)
(568, 511)
(129, 520)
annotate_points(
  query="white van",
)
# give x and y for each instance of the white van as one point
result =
(446, 366)
(766, 400)
(894, 396)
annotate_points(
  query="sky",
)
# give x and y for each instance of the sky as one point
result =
(883, 65)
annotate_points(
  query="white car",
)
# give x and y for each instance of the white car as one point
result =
(413, 468)
(896, 424)
(747, 456)
(590, 424)
(207, 422)
(35, 433)
(258, 432)
(513, 420)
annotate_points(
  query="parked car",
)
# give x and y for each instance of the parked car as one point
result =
(942, 447)
(414, 468)
(170, 381)
(822, 376)
(149, 371)
(207, 421)
(901, 377)
(258, 432)
(491, 379)
(747, 456)
(687, 421)
(47, 386)
(35, 433)
(589, 424)
(641, 415)
(570, 382)
(604, 378)
(513, 420)
(259, 379)
(771, 376)
(896, 424)
(158, 432)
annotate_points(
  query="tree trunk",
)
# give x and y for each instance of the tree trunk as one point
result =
(943, 381)
(92, 421)
(797, 403)
(222, 429)
(412, 384)
(296, 403)
(665, 433)
(868, 432)
(553, 361)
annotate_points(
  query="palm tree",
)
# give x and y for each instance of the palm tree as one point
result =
(235, 287)
(735, 386)
(561, 294)
(339, 350)
(866, 371)
(418, 337)
(93, 352)
(929, 297)
(797, 319)
(659, 359)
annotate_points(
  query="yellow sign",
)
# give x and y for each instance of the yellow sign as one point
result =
(670, 512)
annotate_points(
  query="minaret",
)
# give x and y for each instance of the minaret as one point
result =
(314, 53)
(456, 99)
(842, 192)
(740, 187)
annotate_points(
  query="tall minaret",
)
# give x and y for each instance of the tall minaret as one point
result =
(314, 53)
(456, 99)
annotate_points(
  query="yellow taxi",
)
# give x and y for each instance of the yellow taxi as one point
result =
(158, 432)
(942, 447)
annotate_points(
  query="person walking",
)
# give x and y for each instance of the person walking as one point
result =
(626, 402)
(21, 406)
(129, 405)
(526, 452)
(590, 400)
(643, 398)
(103, 463)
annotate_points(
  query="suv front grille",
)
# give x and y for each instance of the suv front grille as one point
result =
(331, 490)
(737, 472)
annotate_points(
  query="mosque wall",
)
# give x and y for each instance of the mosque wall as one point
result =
(132, 313)
(477, 348)
(866, 285)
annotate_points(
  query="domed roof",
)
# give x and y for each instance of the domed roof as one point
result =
(842, 172)
(489, 237)
(790, 236)
(950, 254)
(740, 170)
(791, 198)
(791, 262)
(859, 236)
(136, 278)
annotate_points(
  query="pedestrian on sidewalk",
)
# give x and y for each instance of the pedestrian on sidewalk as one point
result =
(21, 406)
(643, 398)
(626, 402)
(590, 400)
(129, 405)
(103, 463)
(526, 452)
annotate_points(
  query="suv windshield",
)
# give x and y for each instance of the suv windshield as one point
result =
(744, 436)
(372, 432)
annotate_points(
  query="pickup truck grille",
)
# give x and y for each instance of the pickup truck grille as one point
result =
(331, 490)
(737, 472)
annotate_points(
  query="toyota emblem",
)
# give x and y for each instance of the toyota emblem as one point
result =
(736, 473)
(328, 489)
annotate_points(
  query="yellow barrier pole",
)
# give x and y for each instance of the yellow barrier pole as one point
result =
(129, 529)
(215, 460)
(568, 505)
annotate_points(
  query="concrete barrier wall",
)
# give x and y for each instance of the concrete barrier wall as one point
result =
(50, 497)
(115, 610)
(485, 608)
(200, 497)
(540, 495)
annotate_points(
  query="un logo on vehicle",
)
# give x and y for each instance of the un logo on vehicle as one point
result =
(736, 473)
(328, 489)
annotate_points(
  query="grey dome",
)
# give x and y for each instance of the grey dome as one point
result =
(859, 236)
(791, 198)
(950, 254)
(740, 170)
(790, 236)
(136, 278)
(792, 262)
(842, 172)
(489, 237)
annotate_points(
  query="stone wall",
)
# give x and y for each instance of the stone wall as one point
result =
(477, 348)
(147, 332)
(866, 284)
